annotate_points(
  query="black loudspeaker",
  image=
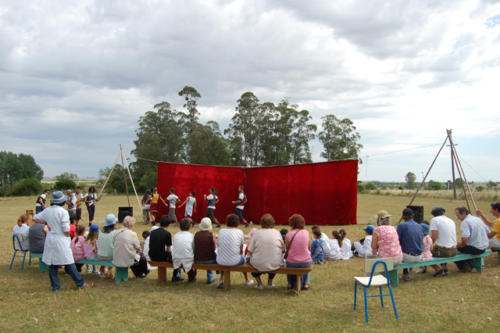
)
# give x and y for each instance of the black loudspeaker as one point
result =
(418, 211)
(123, 212)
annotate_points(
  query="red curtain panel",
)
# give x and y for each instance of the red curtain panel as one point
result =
(324, 193)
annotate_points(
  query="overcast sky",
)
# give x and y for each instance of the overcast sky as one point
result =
(76, 76)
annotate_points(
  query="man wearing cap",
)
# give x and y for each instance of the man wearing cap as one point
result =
(411, 238)
(474, 235)
(57, 250)
(444, 234)
(364, 249)
(494, 235)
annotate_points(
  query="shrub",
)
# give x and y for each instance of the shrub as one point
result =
(64, 184)
(27, 186)
(370, 186)
(434, 186)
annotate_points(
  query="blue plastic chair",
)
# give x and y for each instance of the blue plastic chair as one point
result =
(15, 238)
(375, 281)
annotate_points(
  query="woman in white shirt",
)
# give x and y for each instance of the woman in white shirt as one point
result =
(183, 249)
(230, 242)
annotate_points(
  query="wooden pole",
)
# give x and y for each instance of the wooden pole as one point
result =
(425, 177)
(124, 176)
(463, 185)
(460, 167)
(109, 176)
(452, 166)
(132, 182)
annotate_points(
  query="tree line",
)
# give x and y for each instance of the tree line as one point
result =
(259, 134)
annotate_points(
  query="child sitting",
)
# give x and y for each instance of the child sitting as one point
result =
(183, 249)
(345, 245)
(363, 248)
(90, 247)
(334, 253)
(428, 245)
(77, 246)
(317, 252)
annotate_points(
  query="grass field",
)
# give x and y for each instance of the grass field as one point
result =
(458, 302)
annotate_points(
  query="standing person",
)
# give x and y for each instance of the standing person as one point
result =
(172, 199)
(80, 198)
(494, 235)
(155, 199)
(474, 235)
(212, 201)
(57, 250)
(146, 206)
(240, 204)
(40, 201)
(444, 234)
(71, 202)
(205, 243)
(298, 247)
(190, 203)
(411, 238)
(90, 201)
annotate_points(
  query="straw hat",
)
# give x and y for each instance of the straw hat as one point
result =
(205, 224)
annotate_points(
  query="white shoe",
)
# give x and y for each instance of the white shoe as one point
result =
(261, 287)
(249, 283)
(271, 286)
(89, 271)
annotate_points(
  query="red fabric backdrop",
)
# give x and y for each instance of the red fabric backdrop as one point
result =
(324, 193)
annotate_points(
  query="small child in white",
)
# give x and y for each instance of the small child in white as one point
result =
(190, 203)
(172, 201)
(364, 249)
(183, 249)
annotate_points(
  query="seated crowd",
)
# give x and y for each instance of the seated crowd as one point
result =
(268, 249)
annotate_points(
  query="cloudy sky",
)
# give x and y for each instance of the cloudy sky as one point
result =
(75, 76)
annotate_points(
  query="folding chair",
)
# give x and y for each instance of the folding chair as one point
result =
(15, 238)
(375, 281)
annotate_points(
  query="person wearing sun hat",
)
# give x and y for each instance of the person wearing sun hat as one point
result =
(382, 216)
(204, 246)
(364, 247)
(105, 244)
(57, 251)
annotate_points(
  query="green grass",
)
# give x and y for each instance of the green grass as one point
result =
(454, 303)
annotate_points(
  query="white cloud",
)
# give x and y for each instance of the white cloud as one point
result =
(404, 71)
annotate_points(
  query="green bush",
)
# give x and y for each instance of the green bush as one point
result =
(434, 186)
(361, 187)
(370, 186)
(64, 184)
(27, 186)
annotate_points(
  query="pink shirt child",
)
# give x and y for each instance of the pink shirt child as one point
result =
(77, 247)
(427, 255)
(299, 251)
(89, 250)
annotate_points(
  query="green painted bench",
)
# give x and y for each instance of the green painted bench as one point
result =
(476, 263)
(120, 274)
(498, 251)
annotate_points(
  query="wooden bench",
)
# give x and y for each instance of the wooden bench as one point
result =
(245, 268)
(476, 263)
